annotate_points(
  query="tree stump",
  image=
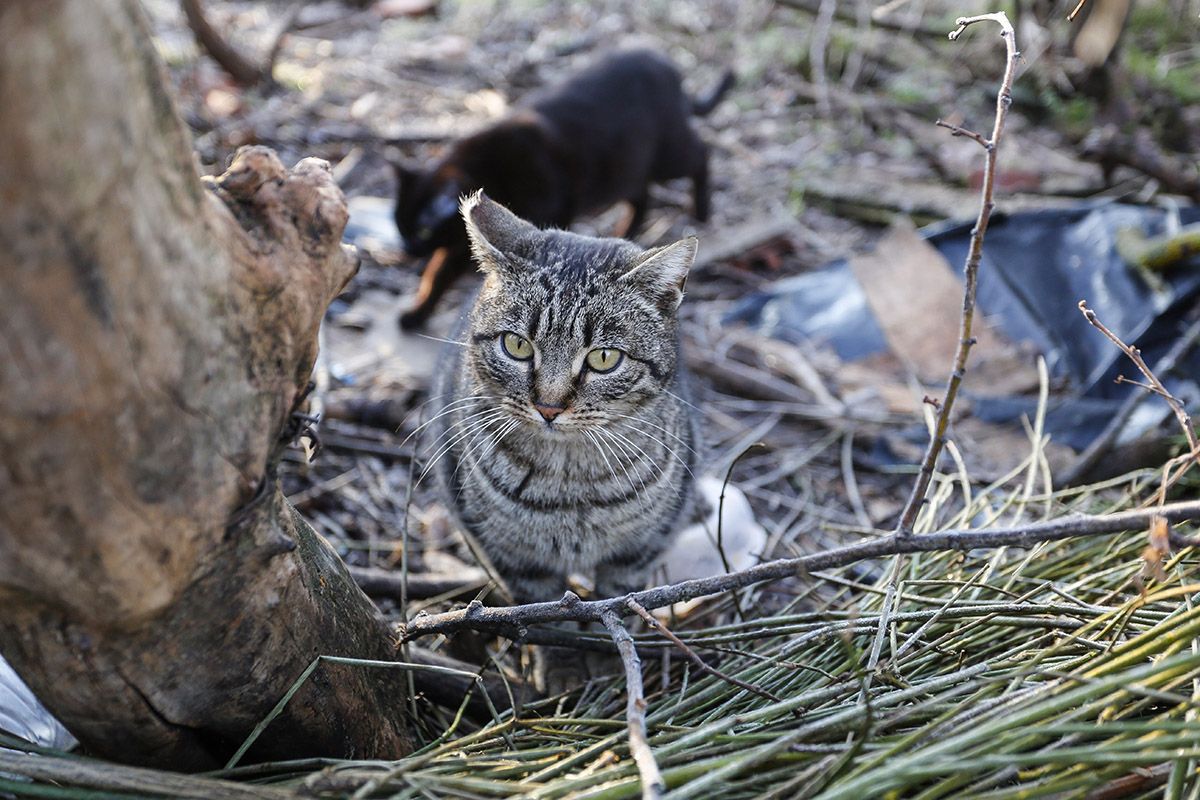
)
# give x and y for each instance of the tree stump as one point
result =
(158, 593)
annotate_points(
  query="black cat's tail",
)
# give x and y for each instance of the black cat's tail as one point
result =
(707, 102)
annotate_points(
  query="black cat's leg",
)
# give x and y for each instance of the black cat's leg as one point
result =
(637, 214)
(700, 190)
(442, 269)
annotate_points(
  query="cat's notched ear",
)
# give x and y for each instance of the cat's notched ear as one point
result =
(493, 230)
(662, 272)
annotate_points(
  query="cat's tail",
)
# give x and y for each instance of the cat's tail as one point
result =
(707, 102)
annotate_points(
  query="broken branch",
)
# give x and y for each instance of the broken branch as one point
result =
(635, 708)
(511, 621)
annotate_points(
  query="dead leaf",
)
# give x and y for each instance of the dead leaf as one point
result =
(1154, 557)
(916, 297)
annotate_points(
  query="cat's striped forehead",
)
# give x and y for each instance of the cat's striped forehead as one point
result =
(566, 286)
(567, 258)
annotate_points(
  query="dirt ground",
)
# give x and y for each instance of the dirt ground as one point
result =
(827, 138)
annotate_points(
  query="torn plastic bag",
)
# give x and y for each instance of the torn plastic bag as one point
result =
(22, 715)
(1036, 267)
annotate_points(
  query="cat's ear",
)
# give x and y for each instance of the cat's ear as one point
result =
(662, 272)
(493, 230)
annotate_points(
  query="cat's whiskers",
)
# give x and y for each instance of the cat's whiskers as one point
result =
(448, 446)
(674, 485)
(632, 449)
(670, 433)
(493, 437)
(470, 429)
(450, 429)
(663, 444)
(496, 438)
(682, 400)
(512, 426)
(462, 403)
(599, 445)
(442, 453)
(635, 456)
(444, 341)
(469, 448)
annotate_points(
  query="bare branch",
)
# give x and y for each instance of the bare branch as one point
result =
(511, 621)
(656, 623)
(240, 68)
(635, 708)
(1111, 148)
(378, 582)
(955, 130)
(1103, 443)
(243, 70)
(971, 271)
(1156, 386)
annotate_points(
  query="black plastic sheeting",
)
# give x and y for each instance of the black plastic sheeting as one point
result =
(1036, 267)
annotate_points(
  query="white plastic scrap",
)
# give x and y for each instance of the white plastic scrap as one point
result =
(22, 715)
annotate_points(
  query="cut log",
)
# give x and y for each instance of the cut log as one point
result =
(159, 594)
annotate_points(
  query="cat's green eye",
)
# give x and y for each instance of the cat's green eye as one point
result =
(604, 359)
(516, 346)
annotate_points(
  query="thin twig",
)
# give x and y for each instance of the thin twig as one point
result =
(818, 44)
(1156, 386)
(737, 601)
(511, 620)
(241, 69)
(391, 584)
(1103, 443)
(653, 784)
(971, 271)
(885, 619)
(958, 130)
(656, 623)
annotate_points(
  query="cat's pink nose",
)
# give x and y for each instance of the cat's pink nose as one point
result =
(548, 412)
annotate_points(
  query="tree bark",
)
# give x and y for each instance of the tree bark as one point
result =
(158, 593)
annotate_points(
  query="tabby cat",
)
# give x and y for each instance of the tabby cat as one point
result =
(566, 444)
(601, 137)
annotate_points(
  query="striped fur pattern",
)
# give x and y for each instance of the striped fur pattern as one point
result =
(599, 487)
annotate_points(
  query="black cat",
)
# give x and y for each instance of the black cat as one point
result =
(601, 137)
